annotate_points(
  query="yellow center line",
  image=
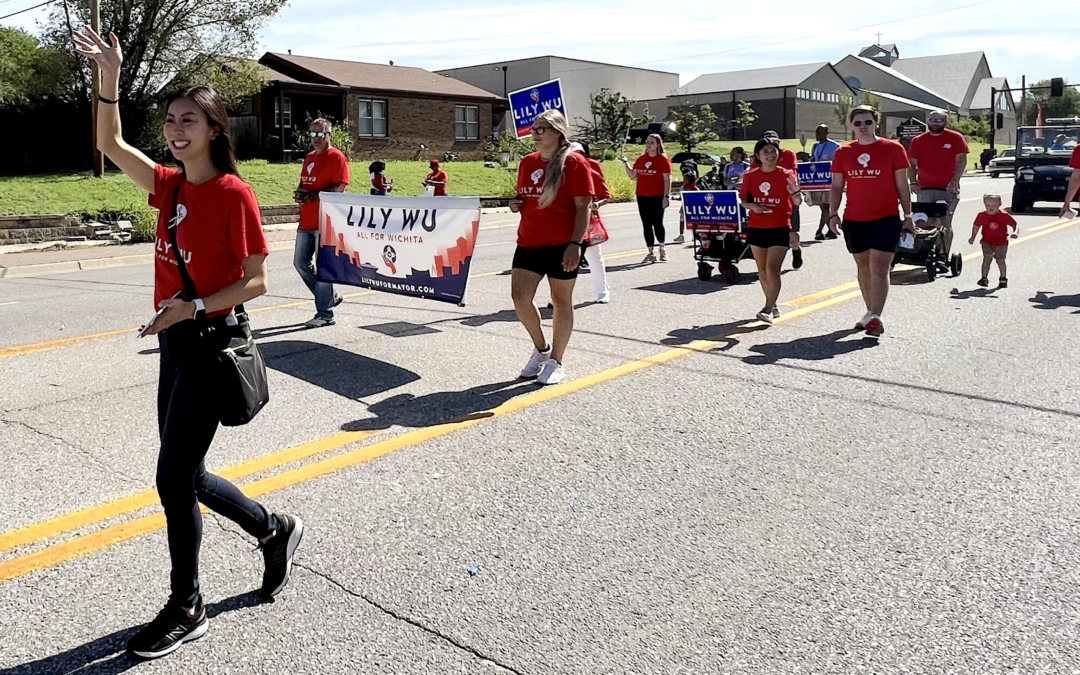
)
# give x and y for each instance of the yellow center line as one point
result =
(118, 507)
(109, 536)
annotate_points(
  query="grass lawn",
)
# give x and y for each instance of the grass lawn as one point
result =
(81, 194)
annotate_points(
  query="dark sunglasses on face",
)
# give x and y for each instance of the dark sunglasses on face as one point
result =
(540, 130)
(318, 134)
(859, 123)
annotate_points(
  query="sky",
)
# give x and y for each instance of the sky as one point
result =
(689, 39)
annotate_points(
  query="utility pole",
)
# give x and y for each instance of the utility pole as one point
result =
(95, 23)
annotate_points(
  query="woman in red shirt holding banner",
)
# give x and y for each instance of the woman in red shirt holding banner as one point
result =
(554, 198)
(652, 173)
(209, 220)
(771, 194)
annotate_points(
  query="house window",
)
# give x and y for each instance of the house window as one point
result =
(288, 112)
(372, 118)
(467, 122)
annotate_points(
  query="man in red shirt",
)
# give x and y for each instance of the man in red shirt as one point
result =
(873, 171)
(437, 179)
(1074, 185)
(325, 169)
(938, 159)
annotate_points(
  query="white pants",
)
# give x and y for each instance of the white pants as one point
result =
(596, 270)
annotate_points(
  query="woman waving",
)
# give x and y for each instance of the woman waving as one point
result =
(652, 172)
(771, 193)
(209, 224)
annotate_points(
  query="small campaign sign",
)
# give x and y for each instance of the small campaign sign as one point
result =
(526, 104)
(712, 210)
(815, 175)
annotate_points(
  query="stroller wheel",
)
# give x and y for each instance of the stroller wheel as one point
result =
(731, 274)
(956, 264)
(704, 271)
(931, 270)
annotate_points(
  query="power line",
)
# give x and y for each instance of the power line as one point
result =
(816, 37)
(23, 11)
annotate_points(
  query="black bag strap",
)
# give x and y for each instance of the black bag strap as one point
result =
(189, 283)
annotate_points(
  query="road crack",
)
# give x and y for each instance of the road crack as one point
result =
(85, 453)
(412, 622)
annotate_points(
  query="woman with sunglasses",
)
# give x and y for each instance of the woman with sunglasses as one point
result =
(771, 194)
(325, 169)
(554, 198)
(652, 173)
(213, 218)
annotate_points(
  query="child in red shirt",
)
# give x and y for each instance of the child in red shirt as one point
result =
(995, 225)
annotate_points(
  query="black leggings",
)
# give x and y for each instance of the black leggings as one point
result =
(187, 421)
(651, 210)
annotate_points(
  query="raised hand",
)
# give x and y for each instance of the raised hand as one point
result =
(109, 57)
(792, 185)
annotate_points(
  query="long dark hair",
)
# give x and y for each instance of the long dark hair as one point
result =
(222, 153)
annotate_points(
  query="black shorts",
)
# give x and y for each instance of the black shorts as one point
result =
(768, 237)
(879, 235)
(545, 261)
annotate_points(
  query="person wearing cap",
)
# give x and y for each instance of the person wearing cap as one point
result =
(938, 160)
(436, 179)
(824, 150)
(594, 255)
(790, 161)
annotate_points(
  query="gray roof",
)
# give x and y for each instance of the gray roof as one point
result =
(981, 99)
(950, 75)
(893, 72)
(758, 78)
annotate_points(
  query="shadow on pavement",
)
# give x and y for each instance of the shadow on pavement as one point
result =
(107, 655)
(337, 370)
(510, 315)
(815, 348)
(915, 277)
(719, 332)
(1047, 300)
(274, 331)
(408, 410)
(696, 286)
(957, 294)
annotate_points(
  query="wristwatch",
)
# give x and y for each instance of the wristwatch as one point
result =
(200, 309)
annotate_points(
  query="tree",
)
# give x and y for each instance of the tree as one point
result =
(744, 116)
(694, 129)
(29, 72)
(871, 99)
(612, 117)
(842, 111)
(973, 128)
(1067, 105)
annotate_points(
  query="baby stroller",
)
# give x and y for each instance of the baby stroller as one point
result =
(723, 244)
(929, 247)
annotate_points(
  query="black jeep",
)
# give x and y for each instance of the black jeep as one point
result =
(1042, 163)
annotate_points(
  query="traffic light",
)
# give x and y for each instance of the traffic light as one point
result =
(999, 120)
(1057, 87)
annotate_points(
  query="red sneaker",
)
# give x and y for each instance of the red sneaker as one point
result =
(875, 327)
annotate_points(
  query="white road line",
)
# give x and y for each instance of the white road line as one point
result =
(10, 303)
(496, 243)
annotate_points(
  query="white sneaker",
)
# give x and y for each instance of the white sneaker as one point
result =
(552, 373)
(681, 239)
(604, 297)
(536, 363)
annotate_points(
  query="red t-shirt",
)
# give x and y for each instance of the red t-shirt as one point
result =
(379, 182)
(441, 177)
(870, 178)
(788, 160)
(770, 190)
(1075, 161)
(650, 175)
(936, 157)
(600, 187)
(319, 173)
(220, 226)
(553, 226)
(995, 228)
(690, 187)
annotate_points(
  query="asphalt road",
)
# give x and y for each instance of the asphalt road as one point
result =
(703, 495)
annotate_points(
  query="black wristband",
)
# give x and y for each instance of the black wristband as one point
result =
(108, 100)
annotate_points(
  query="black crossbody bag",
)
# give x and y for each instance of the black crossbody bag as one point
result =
(244, 387)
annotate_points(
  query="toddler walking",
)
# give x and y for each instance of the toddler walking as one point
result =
(995, 225)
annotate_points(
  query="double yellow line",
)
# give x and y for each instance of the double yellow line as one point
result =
(124, 531)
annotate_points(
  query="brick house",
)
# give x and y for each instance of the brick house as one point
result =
(392, 110)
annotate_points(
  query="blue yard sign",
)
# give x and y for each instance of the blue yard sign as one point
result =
(815, 175)
(712, 210)
(526, 104)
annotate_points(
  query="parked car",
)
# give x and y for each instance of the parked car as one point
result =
(1003, 163)
(699, 157)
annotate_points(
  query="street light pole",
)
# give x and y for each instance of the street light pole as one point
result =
(95, 23)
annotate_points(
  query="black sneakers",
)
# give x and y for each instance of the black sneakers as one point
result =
(278, 554)
(170, 629)
(796, 258)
